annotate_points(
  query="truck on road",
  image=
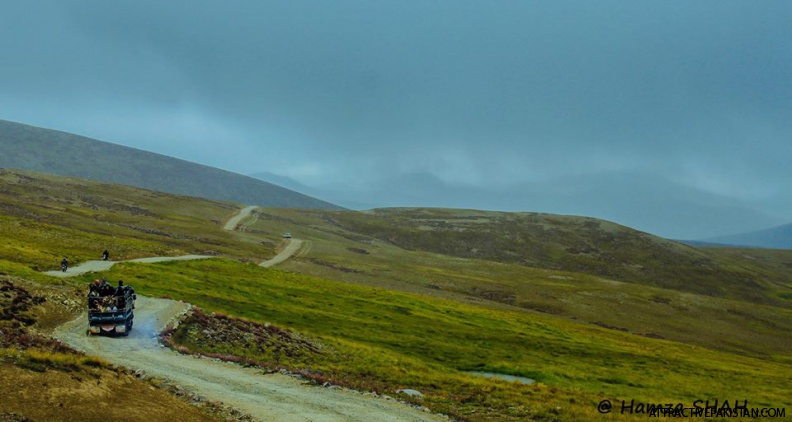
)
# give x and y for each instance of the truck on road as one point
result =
(111, 312)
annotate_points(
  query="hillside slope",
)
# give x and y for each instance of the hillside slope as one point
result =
(567, 243)
(49, 151)
(78, 218)
(581, 337)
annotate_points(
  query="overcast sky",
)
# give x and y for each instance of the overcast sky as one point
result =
(474, 92)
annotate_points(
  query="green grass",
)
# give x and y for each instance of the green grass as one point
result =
(415, 298)
(387, 340)
(564, 243)
(40, 360)
(45, 218)
(724, 324)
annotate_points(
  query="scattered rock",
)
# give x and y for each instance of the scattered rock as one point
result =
(410, 392)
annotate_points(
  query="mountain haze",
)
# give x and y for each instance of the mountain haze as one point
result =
(49, 151)
(636, 199)
(774, 238)
(337, 197)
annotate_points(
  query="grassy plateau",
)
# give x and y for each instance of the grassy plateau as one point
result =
(421, 298)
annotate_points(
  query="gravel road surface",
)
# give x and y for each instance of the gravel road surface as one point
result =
(89, 266)
(266, 397)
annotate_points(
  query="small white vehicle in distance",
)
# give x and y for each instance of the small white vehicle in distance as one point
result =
(287, 235)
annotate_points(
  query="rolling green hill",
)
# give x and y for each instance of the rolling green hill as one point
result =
(412, 298)
(46, 217)
(49, 151)
(565, 243)
(634, 305)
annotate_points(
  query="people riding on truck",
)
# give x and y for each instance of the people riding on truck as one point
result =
(93, 289)
(119, 291)
(105, 289)
(110, 309)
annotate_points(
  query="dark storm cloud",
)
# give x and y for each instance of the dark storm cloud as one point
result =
(472, 91)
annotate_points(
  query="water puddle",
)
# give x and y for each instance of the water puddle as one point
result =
(509, 378)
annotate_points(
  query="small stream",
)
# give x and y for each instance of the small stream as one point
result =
(509, 378)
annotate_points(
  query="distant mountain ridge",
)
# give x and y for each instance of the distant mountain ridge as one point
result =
(640, 200)
(774, 238)
(42, 150)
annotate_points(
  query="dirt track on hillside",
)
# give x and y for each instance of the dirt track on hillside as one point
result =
(233, 222)
(266, 397)
(291, 248)
(292, 245)
(270, 397)
(89, 266)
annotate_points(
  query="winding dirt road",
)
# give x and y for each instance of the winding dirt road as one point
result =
(88, 266)
(266, 397)
(292, 245)
(291, 248)
(234, 221)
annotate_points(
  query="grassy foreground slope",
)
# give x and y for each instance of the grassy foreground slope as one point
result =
(42, 380)
(43, 218)
(363, 312)
(382, 340)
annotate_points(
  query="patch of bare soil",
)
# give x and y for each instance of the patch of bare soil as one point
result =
(203, 331)
(19, 309)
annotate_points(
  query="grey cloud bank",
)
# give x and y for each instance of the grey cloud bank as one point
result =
(491, 99)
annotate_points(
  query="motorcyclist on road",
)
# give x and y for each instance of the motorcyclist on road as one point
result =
(64, 264)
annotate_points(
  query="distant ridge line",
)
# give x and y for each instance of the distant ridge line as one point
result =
(779, 237)
(55, 152)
